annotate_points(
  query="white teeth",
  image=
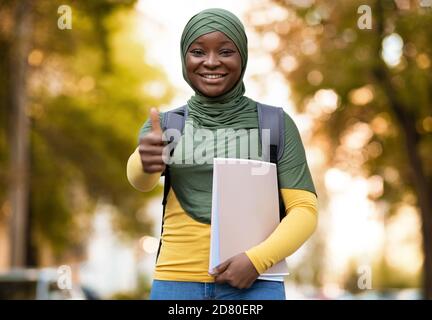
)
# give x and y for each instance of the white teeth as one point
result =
(212, 76)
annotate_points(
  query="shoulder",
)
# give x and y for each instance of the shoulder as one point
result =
(177, 111)
(287, 119)
(289, 122)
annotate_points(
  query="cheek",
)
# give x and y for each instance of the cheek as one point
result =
(236, 67)
(236, 73)
(188, 63)
(191, 66)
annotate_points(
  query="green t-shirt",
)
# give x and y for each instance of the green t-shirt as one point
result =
(192, 167)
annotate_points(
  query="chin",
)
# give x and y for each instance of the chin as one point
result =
(212, 94)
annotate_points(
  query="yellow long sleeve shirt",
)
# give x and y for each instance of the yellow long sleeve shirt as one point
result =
(184, 254)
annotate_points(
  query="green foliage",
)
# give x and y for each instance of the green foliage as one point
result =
(87, 104)
(347, 58)
(331, 52)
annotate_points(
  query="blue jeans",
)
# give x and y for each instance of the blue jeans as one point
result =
(182, 290)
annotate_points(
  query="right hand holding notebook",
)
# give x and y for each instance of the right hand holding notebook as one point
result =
(151, 146)
(238, 272)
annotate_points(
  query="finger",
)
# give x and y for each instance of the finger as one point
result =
(152, 138)
(154, 168)
(221, 279)
(151, 150)
(151, 160)
(223, 266)
(154, 118)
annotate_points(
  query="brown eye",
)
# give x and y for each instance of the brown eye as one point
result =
(227, 52)
(197, 52)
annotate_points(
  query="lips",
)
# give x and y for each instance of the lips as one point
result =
(212, 77)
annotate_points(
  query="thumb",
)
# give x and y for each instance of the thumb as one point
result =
(223, 266)
(154, 118)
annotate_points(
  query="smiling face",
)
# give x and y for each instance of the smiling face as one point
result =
(213, 64)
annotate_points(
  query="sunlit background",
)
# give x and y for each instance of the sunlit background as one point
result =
(361, 99)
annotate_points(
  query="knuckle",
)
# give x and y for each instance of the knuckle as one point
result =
(145, 160)
(158, 151)
(142, 149)
(147, 170)
(232, 283)
(155, 136)
(144, 139)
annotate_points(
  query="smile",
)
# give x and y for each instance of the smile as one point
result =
(211, 78)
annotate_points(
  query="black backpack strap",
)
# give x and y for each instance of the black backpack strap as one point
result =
(173, 119)
(273, 118)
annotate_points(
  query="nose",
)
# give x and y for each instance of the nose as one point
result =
(212, 60)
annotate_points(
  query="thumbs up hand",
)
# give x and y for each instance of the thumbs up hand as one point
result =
(151, 146)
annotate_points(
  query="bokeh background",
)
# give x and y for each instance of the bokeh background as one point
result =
(72, 102)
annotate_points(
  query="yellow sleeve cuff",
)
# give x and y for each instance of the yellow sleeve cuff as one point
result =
(294, 229)
(137, 177)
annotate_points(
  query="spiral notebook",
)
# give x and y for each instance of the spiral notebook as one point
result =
(245, 210)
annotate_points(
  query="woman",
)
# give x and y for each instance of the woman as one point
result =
(214, 57)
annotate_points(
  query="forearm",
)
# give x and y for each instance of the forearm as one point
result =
(295, 228)
(137, 177)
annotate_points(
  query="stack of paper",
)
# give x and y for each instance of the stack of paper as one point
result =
(245, 210)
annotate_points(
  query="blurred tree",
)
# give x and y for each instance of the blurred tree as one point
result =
(18, 127)
(370, 91)
(89, 90)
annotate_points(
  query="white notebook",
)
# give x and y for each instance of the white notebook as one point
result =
(245, 210)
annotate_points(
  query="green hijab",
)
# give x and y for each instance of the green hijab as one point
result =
(232, 109)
